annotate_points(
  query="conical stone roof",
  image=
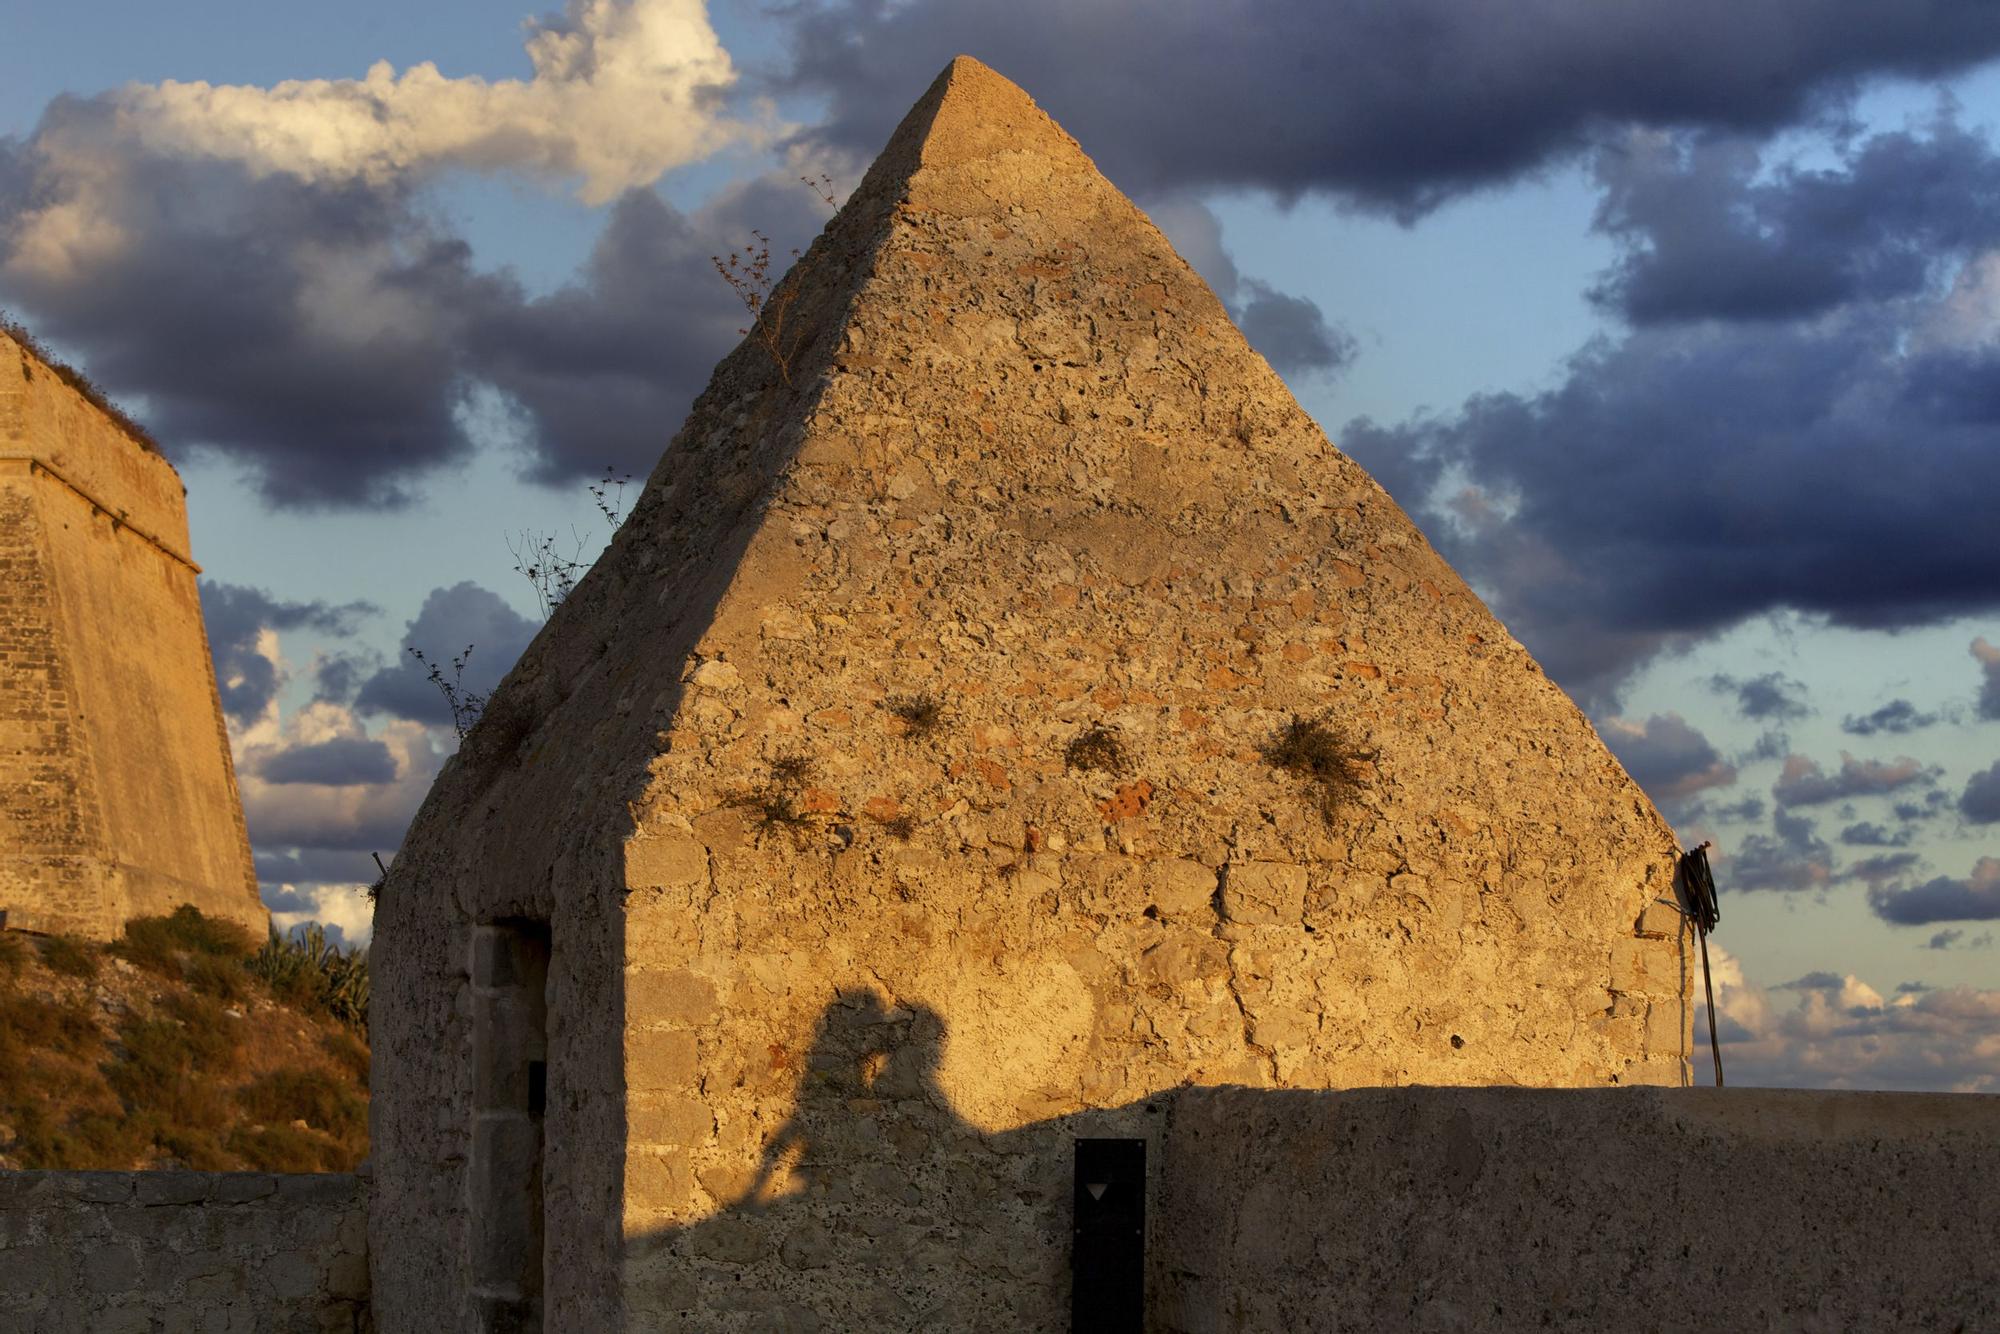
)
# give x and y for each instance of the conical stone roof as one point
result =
(939, 676)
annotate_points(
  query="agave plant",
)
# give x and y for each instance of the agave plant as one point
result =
(306, 968)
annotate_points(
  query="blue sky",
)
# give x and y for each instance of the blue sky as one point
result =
(1678, 331)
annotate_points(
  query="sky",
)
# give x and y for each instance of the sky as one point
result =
(1676, 328)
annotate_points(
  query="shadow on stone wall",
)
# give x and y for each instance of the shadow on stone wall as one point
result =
(876, 1206)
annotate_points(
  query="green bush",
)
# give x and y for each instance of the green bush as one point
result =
(307, 970)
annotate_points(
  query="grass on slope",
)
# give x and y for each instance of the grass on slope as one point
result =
(181, 1044)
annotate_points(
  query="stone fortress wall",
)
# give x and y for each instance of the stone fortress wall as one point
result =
(183, 1253)
(117, 793)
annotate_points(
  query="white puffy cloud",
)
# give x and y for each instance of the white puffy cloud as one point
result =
(1830, 1030)
(623, 90)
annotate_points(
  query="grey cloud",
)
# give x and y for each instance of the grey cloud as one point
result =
(340, 762)
(1976, 898)
(1868, 834)
(235, 615)
(1819, 981)
(1988, 658)
(450, 619)
(1882, 867)
(1945, 939)
(1710, 231)
(1790, 859)
(1896, 717)
(1668, 758)
(1804, 783)
(1980, 802)
(1773, 696)
(314, 866)
(1291, 332)
(1394, 106)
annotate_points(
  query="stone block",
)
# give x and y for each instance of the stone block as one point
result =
(1183, 890)
(668, 862)
(671, 1121)
(172, 1187)
(676, 996)
(659, 1060)
(1263, 893)
(658, 1181)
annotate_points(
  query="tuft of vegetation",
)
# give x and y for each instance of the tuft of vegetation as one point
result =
(920, 714)
(775, 801)
(166, 945)
(70, 957)
(301, 1116)
(84, 387)
(1315, 752)
(1095, 748)
(901, 827)
(309, 972)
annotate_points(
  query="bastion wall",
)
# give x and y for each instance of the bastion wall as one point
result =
(118, 797)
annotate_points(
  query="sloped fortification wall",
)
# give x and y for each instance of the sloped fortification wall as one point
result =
(117, 793)
(143, 1252)
(1514, 1209)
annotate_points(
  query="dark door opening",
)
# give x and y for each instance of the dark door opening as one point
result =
(510, 971)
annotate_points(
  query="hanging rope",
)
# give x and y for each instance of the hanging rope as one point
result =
(1704, 913)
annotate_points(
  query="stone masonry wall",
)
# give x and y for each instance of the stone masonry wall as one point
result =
(183, 1253)
(1435, 1209)
(123, 797)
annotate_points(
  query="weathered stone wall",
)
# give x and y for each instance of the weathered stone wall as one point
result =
(183, 1253)
(1510, 1209)
(117, 793)
(1008, 455)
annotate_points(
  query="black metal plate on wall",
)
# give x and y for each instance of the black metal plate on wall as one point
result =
(1108, 1246)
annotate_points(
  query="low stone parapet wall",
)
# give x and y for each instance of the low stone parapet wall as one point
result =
(167, 1252)
(1640, 1209)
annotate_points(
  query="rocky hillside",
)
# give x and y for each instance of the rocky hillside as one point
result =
(182, 1044)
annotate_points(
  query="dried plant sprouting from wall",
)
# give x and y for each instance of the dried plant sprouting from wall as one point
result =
(776, 803)
(1097, 748)
(901, 827)
(465, 704)
(768, 300)
(920, 714)
(1320, 757)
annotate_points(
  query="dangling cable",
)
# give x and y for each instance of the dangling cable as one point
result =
(1704, 913)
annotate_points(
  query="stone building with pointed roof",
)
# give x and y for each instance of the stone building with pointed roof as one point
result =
(1002, 707)
(118, 797)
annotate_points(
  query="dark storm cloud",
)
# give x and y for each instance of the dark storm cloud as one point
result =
(1803, 783)
(1773, 696)
(607, 367)
(1945, 899)
(1896, 717)
(235, 616)
(307, 331)
(1707, 233)
(340, 762)
(1397, 106)
(1980, 802)
(333, 338)
(1791, 858)
(1667, 757)
(450, 619)
(1680, 480)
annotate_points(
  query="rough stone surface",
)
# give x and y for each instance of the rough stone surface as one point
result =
(218, 1253)
(117, 794)
(789, 778)
(1644, 1209)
